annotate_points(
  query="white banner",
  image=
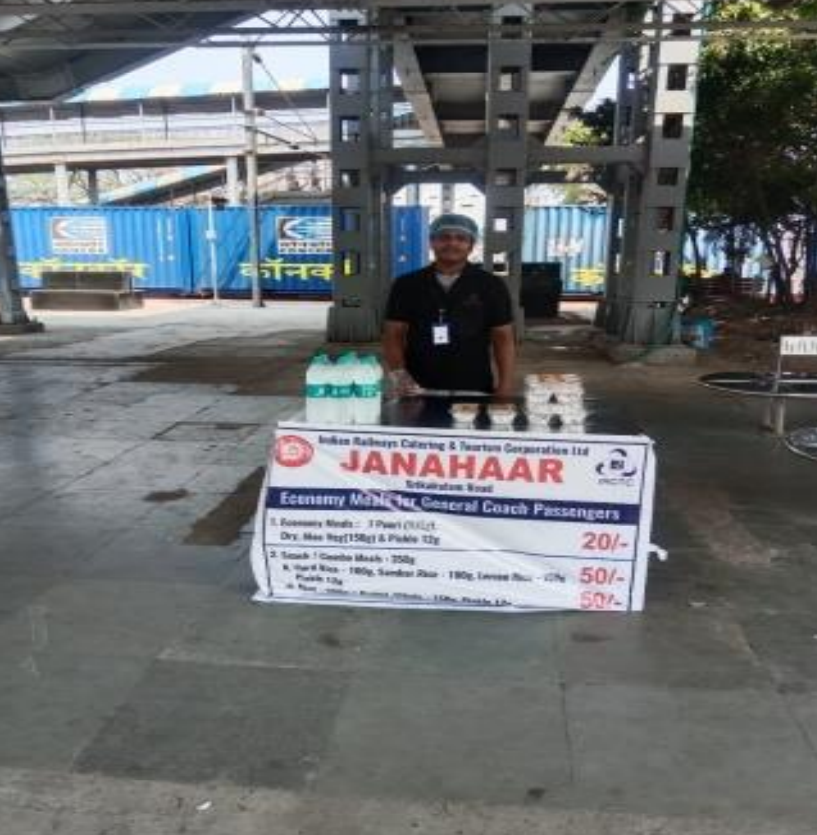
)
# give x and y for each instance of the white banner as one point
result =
(447, 519)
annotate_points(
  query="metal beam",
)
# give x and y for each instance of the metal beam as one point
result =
(582, 31)
(808, 34)
(155, 155)
(404, 178)
(579, 155)
(205, 182)
(599, 60)
(144, 7)
(415, 89)
(313, 98)
(474, 157)
(559, 178)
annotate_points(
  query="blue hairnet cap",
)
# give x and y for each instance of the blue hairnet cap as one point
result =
(454, 223)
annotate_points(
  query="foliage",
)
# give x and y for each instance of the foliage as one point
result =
(589, 128)
(592, 127)
(754, 162)
(40, 189)
(754, 157)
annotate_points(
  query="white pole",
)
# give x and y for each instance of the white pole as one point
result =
(211, 238)
(251, 163)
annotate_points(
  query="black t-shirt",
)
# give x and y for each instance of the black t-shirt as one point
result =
(477, 302)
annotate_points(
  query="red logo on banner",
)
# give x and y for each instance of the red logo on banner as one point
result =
(292, 451)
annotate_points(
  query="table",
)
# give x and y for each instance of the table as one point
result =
(417, 513)
(803, 442)
(776, 389)
(433, 412)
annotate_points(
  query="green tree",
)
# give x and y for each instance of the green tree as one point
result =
(754, 157)
(754, 160)
(589, 128)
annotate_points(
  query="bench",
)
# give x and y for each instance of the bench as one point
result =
(86, 290)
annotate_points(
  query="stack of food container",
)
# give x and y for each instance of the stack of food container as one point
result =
(555, 400)
(497, 415)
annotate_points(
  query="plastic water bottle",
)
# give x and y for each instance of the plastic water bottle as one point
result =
(317, 389)
(368, 391)
(330, 408)
(376, 404)
(359, 380)
(343, 388)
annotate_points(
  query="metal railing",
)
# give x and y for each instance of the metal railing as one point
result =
(74, 133)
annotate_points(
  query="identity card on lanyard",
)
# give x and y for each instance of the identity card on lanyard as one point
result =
(440, 332)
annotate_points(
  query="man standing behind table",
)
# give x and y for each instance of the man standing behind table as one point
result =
(445, 322)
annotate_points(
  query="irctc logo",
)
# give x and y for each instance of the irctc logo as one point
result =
(617, 465)
(292, 451)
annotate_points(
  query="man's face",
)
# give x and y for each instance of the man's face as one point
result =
(451, 246)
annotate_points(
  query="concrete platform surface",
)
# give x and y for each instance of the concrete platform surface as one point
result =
(141, 693)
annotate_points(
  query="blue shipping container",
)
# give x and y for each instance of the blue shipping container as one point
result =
(577, 237)
(409, 235)
(296, 247)
(573, 236)
(168, 250)
(152, 243)
(295, 244)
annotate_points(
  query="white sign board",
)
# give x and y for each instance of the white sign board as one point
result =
(304, 235)
(798, 346)
(446, 519)
(79, 235)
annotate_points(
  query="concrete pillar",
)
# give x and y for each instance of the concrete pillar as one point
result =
(629, 127)
(233, 181)
(651, 249)
(507, 107)
(413, 194)
(447, 197)
(360, 111)
(62, 183)
(93, 186)
(12, 312)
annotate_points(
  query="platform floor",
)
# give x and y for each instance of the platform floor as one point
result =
(141, 693)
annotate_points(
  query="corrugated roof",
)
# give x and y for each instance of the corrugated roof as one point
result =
(57, 69)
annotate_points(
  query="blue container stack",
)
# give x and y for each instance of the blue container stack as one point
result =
(167, 249)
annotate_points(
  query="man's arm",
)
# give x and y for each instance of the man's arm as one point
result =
(503, 343)
(394, 345)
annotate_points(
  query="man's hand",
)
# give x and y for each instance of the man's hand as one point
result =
(402, 384)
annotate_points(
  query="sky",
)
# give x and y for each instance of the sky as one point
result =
(224, 64)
